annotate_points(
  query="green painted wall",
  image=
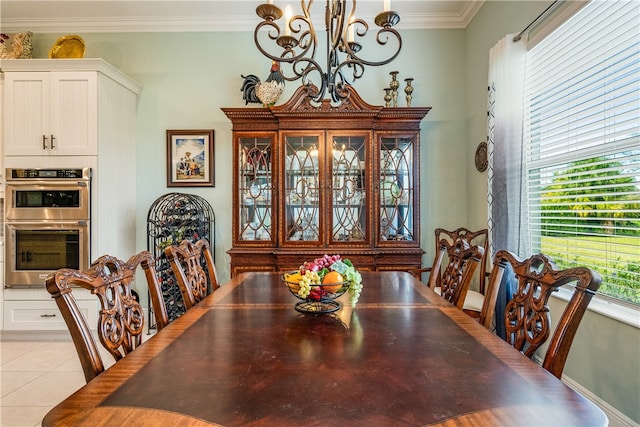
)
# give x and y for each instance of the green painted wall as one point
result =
(187, 77)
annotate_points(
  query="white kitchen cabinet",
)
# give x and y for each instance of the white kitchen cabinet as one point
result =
(60, 107)
(51, 113)
(35, 310)
(44, 315)
(89, 107)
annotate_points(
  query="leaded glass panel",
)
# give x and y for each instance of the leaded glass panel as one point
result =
(348, 189)
(302, 189)
(396, 189)
(255, 183)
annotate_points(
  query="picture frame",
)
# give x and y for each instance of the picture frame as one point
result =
(190, 155)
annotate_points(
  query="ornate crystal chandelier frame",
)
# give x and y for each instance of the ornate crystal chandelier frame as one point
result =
(299, 45)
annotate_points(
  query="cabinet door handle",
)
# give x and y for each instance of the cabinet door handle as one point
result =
(52, 142)
(44, 142)
(47, 315)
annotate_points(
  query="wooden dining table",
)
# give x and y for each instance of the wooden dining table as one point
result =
(401, 357)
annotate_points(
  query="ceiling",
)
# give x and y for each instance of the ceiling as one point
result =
(90, 16)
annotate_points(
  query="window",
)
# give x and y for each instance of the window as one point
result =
(582, 145)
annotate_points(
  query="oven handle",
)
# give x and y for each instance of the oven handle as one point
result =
(26, 256)
(43, 185)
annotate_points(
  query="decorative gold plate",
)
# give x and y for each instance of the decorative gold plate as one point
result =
(71, 46)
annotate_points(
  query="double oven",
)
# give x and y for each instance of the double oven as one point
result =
(47, 223)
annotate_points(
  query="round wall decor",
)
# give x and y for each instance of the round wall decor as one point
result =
(481, 157)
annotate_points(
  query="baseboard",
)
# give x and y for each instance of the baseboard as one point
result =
(35, 336)
(616, 418)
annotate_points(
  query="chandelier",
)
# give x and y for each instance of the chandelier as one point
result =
(297, 46)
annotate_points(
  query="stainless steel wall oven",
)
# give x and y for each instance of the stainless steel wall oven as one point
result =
(47, 223)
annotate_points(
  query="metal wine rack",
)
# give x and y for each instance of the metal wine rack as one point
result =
(172, 218)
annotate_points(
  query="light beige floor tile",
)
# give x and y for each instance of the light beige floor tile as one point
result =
(10, 350)
(49, 389)
(43, 373)
(11, 381)
(70, 365)
(22, 416)
(43, 358)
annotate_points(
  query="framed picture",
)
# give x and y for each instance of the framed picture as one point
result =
(190, 158)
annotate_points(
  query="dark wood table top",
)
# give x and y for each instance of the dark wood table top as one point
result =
(402, 357)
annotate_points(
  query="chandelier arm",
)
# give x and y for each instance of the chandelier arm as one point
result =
(379, 39)
(299, 68)
(336, 32)
(273, 36)
(305, 74)
(338, 89)
(361, 28)
(357, 72)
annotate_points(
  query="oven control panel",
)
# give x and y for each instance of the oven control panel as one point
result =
(83, 173)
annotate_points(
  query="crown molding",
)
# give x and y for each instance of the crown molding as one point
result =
(207, 23)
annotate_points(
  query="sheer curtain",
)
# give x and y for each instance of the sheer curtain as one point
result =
(506, 171)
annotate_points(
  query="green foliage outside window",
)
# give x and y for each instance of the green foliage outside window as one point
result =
(590, 215)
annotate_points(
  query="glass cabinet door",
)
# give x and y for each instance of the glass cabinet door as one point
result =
(255, 185)
(348, 189)
(396, 189)
(302, 188)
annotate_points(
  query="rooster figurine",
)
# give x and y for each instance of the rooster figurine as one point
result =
(266, 93)
(20, 46)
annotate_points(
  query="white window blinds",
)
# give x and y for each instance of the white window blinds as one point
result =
(582, 143)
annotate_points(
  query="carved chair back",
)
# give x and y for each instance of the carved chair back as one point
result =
(471, 238)
(463, 250)
(186, 262)
(527, 318)
(455, 279)
(121, 318)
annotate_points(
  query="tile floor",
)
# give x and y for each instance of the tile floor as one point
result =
(35, 376)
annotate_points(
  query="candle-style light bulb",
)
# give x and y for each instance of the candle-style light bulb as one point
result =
(269, 1)
(387, 5)
(288, 13)
(350, 31)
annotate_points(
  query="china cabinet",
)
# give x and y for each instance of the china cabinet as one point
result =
(312, 179)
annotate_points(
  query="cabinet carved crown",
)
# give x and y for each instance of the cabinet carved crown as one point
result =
(310, 179)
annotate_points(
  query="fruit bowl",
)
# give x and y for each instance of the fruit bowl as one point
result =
(318, 283)
(320, 298)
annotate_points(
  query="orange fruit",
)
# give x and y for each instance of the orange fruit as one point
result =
(331, 278)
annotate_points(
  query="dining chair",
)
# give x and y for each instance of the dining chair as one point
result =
(526, 316)
(121, 319)
(473, 300)
(186, 262)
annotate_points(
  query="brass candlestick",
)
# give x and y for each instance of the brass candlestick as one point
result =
(387, 97)
(394, 85)
(408, 90)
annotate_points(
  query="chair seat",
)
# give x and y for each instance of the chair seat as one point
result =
(473, 301)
